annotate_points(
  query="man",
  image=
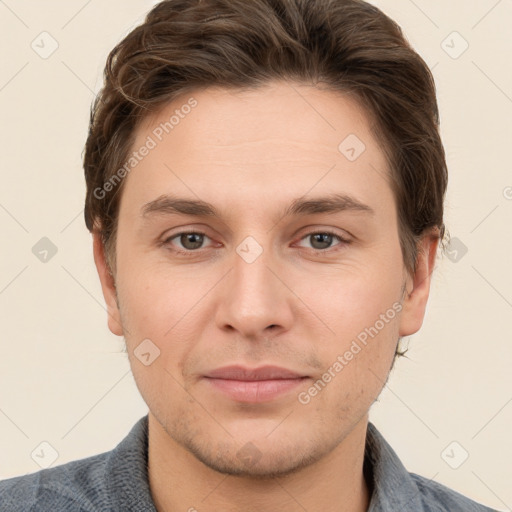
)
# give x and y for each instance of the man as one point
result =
(265, 185)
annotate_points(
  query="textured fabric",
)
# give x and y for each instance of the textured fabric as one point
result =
(117, 481)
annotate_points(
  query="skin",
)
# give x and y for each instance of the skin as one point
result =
(250, 154)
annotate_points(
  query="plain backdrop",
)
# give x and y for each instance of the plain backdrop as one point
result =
(64, 378)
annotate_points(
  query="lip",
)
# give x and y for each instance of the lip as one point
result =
(254, 385)
(236, 372)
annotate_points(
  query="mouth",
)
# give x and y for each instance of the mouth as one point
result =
(256, 385)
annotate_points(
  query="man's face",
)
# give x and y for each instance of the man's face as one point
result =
(260, 287)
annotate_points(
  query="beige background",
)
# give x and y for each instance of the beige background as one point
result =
(63, 376)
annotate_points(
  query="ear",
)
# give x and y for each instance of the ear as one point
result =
(418, 286)
(107, 285)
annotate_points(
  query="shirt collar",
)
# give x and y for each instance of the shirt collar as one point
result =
(393, 487)
(127, 472)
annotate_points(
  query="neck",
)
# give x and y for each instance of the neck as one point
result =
(179, 481)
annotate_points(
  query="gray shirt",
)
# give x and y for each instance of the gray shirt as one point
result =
(118, 481)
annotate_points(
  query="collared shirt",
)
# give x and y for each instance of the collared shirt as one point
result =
(117, 481)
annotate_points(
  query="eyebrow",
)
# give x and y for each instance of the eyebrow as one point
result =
(332, 203)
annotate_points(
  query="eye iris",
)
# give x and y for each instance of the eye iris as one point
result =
(325, 239)
(195, 238)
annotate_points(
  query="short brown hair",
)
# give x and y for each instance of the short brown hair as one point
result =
(349, 45)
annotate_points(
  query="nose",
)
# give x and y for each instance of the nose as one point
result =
(254, 299)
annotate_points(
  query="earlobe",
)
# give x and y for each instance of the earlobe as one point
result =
(107, 285)
(416, 296)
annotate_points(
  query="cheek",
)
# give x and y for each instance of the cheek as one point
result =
(156, 344)
(362, 312)
(354, 374)
(154, 301)
(352, 301)
(163, 308)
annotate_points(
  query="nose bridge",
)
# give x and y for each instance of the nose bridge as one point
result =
(253, 297)
(251, 277)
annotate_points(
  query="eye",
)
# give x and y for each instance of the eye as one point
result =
(322, 240)
(190, 241)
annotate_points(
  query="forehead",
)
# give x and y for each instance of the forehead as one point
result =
(281, 140)
(280, 109)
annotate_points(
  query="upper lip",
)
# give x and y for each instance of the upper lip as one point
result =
(262, 373)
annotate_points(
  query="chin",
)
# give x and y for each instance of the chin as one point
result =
(250, 462)
(261, 458)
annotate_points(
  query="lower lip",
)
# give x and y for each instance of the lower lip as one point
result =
(255, 391)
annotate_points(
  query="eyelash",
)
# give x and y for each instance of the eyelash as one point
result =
(190, 252)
